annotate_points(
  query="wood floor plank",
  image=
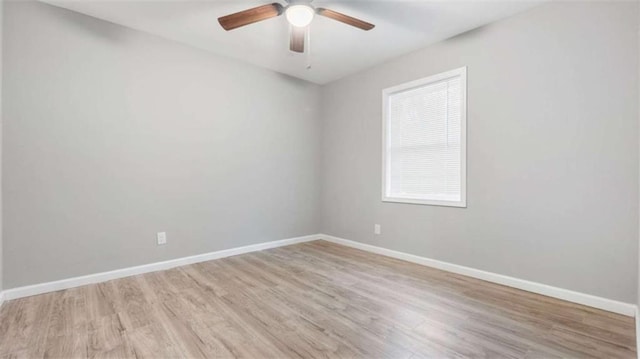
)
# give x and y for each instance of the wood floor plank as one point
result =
(30, 328)
(310, 300)
(106, 338)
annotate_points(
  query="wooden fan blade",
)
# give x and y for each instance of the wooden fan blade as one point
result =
(297, 39)
(250, 16)
(345, 19)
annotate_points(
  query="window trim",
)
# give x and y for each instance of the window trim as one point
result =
(462, 72)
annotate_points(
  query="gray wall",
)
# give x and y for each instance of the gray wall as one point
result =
(1, 22)
(552, 151)
(111, 135)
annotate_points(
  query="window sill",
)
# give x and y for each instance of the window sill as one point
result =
(458, 204)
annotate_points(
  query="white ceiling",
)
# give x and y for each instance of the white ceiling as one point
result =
(337, 50)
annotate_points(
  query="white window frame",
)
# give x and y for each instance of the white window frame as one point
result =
(386, 93)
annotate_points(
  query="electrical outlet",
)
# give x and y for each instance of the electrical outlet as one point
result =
(376, 229)
(162, 238)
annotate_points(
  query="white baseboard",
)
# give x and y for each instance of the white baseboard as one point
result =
(539, 288)
(30, 290)
(565, 294)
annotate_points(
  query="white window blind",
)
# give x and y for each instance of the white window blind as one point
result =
(425, 141)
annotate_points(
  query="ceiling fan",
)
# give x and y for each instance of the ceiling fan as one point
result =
(298, 13)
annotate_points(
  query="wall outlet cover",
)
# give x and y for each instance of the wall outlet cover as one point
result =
(162, 238)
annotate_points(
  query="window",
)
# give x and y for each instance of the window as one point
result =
(424, 141)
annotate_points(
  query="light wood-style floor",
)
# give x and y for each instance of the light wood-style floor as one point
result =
(315, 299)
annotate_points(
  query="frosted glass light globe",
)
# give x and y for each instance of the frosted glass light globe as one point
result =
(299, 15)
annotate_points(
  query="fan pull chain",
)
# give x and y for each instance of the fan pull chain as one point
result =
(308, 45)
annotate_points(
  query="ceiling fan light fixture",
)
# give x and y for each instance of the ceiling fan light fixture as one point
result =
(300, 15)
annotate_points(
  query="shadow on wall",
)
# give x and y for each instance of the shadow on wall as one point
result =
(104, 30)
(467, 35)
